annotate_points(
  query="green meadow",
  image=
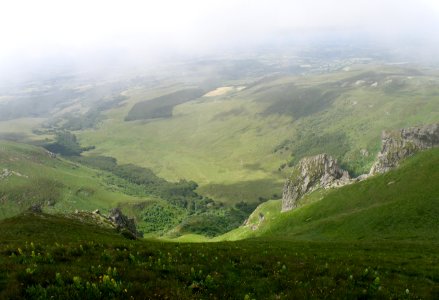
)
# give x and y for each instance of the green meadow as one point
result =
(238, 145)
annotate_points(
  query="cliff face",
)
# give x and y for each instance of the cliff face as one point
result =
(397, 145)
(320, 171)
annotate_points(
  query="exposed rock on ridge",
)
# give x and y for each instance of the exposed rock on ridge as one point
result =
(5, 173)
(125, 225)
(320, 171)
(116, 219)
(397, 145)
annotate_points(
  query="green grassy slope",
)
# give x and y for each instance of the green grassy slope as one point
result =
(233, 144)
(55, 228)
(30, 175)
(399, 205)
(46, 256)
(58, 184)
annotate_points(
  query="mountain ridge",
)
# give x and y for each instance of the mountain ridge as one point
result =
(322, 171)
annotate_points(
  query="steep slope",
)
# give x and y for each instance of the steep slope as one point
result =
(399, 205)
(30, 175)
(323, 171)
(50, 229)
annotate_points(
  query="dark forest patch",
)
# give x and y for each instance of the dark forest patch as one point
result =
(161, 107)
(297, 102)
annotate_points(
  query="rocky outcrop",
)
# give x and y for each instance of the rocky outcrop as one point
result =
(320, 171)
(50, 154)
(125, 225)
(397, 145)
(5, 173)
(116, 219)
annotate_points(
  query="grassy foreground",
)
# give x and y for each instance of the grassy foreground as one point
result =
(46, 256)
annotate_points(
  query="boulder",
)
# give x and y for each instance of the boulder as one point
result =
(124, 224)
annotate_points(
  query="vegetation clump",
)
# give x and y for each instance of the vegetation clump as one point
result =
(66, 144)
(181, 204)
(161, 107)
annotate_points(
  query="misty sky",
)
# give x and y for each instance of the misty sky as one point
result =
(32, 30)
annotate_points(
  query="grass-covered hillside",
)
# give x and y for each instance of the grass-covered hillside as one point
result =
(31, 175)
(399, 205)
(45, 256)
(238, 140)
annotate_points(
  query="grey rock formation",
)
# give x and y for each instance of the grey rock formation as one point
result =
(320, 171)
(397, 145)
(51, 154)
(5, 173)
(125, 225)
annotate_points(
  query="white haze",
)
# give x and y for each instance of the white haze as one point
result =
(51, 32)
